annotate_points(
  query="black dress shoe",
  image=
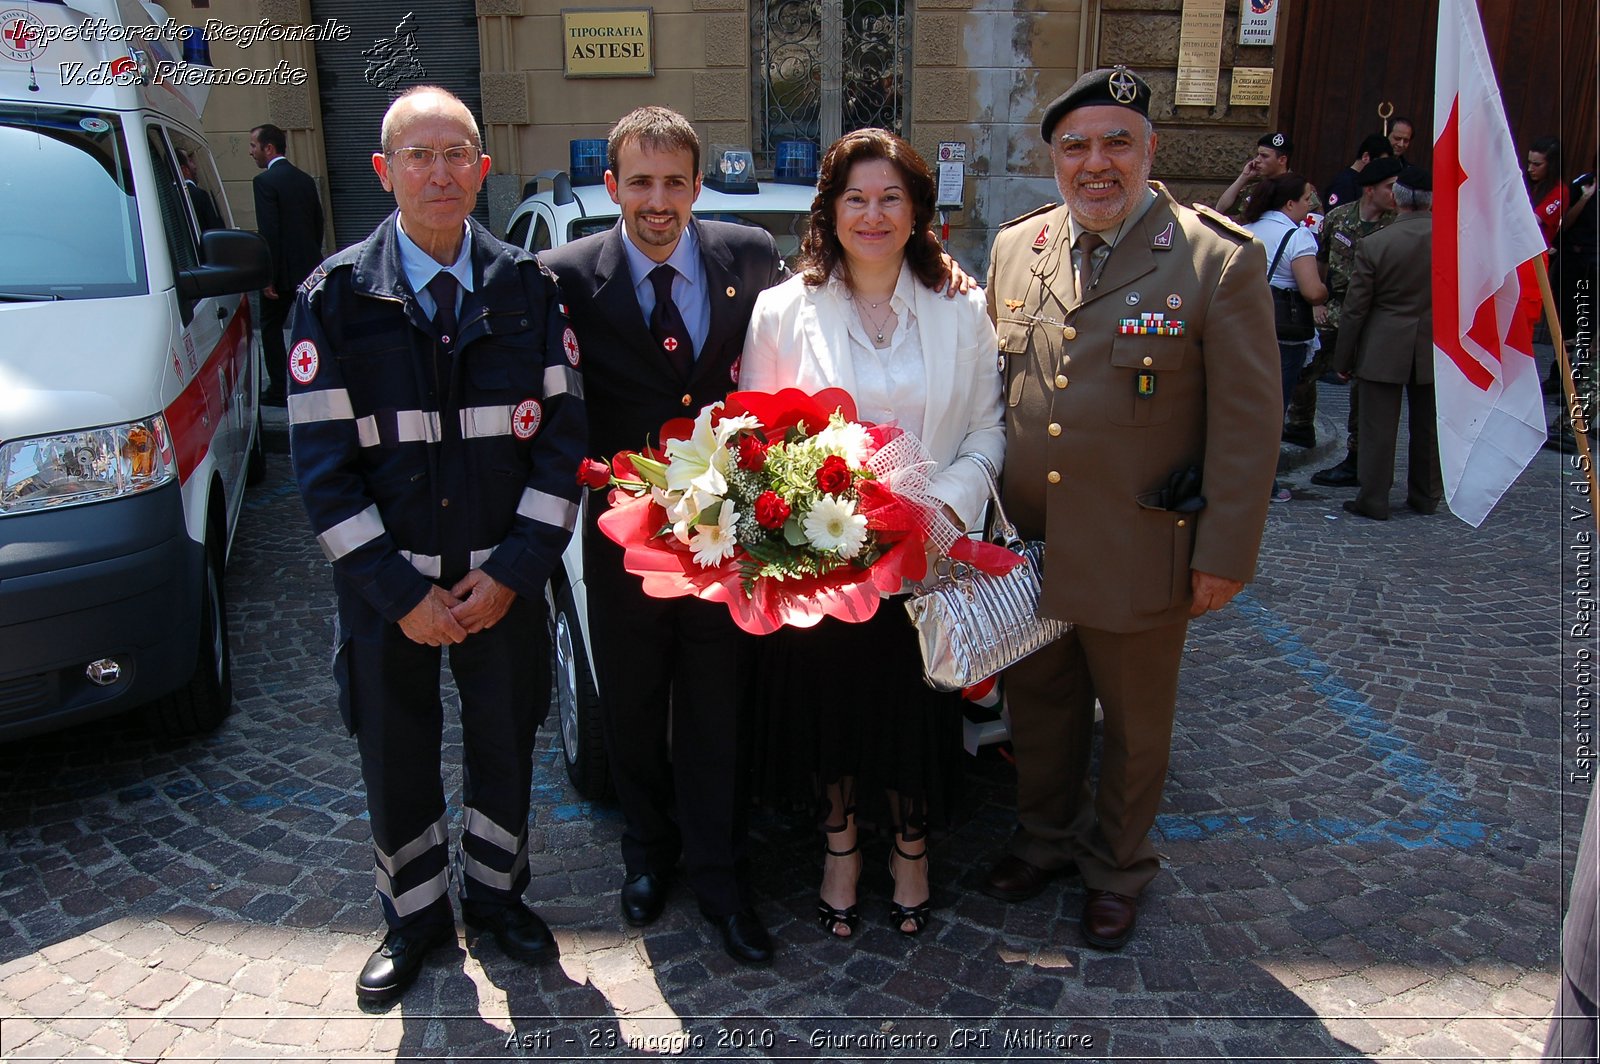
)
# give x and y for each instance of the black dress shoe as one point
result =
(1342, 475)
(1108, 919)
(394, 965)
(1013, 879)
(643, 898)
(517, 928)
(1352, 507)
(743, 936)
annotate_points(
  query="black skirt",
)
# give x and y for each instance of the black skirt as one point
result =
(847, 703)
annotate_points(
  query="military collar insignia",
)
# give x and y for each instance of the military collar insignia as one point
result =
(1123, 88)
(1043, 238)
(1163, 239)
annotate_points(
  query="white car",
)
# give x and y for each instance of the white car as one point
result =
(560, 213)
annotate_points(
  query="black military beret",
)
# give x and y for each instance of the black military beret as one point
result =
(1116, 86)
(1379, 170)
(1416, 179)
(1278, 142)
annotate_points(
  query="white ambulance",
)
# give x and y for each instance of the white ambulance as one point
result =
(128, 376)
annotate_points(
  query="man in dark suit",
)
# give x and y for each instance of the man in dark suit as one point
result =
(1386, 339)
(289, 218)
(660, 304)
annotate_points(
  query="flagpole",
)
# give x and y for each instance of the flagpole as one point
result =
(1575, 414)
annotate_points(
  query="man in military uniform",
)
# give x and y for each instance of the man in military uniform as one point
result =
(1143, 399)
(1342, 231)
(1271, 159)
(436, 421)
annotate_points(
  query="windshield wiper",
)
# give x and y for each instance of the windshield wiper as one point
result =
(28, 297)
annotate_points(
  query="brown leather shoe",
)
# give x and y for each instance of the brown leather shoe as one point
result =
(1013, 879)
(1108, 919)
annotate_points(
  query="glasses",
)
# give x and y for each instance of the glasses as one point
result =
(459, 157)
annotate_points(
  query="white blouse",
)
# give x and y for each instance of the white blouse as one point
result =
(891, 382)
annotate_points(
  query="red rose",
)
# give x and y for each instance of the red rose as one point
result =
(834, 476)
(593, 473)
(771, 510)
(752, 454)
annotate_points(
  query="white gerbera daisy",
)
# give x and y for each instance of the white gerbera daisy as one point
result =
(712, 544)
(833, 524)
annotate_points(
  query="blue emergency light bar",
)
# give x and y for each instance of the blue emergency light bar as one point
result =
(588, 161)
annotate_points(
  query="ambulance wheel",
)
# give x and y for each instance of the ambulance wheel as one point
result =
(582, 744)
(256, 471)
(201, 704)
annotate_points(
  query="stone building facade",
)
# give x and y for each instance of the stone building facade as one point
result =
(976, 72)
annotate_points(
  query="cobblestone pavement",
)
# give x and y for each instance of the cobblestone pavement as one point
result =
(1369, 827)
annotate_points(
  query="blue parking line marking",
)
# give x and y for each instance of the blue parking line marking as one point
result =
(1441, 817)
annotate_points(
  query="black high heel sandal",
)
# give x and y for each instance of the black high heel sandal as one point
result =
(829, 918)
(917, 914)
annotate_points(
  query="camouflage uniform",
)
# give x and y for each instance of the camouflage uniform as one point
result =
(1342, 230)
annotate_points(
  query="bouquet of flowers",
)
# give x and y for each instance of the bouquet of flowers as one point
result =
(782, 506)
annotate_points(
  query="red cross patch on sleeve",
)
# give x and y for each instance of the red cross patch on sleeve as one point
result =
(525, 419)
(303, 362)
(569, 344)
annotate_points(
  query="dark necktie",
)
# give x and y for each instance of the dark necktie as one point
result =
(666, 324)
(1087, 243)
(443, 289)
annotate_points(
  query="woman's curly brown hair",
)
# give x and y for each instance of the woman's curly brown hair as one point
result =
(821, 254)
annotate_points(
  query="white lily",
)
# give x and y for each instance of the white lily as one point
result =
(683, 508)
(729, 427)
(700, 462)
(833, 524)
(712, 544)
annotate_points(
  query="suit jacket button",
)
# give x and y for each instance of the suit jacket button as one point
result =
(1182, 523)
(732, 291)
(687, 399)
(1069, 333)
(1055, 429)
(1053, 477)
(1061, 380)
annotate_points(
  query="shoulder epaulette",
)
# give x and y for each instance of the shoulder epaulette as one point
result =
(1031, 214)
(1223, 222)
(314, 278)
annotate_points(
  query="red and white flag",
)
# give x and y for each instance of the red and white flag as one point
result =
(1485, 241)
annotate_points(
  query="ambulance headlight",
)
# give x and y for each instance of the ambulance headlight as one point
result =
(85, 466)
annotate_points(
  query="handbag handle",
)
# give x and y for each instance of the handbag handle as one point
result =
(1281, 245)
(1005, 532)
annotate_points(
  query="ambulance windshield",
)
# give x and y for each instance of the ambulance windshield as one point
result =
(69, 227)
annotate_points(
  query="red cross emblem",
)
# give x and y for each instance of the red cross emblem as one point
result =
(303, 362)
(670, 343)
(569, 344)
(23, 36)
(525, 419)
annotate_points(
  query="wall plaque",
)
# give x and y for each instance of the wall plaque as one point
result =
(1199, 53)
(608, 43)
(1252, 87)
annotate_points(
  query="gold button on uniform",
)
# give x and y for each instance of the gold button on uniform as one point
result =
(1069, 333)
(1055, 429)
(1061, 380)
(1182, 523)
(732, 292)
(1053, 477)
(687, 399)
(1149, 361)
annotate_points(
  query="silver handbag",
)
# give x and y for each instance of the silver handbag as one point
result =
(971, 624)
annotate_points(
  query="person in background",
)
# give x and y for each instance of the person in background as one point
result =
(1386, 340)
(1345, 187)
(863, 315)
(205, 207)
(1401, 130)
(1274, 215)
(1547, 190)
(289, 219)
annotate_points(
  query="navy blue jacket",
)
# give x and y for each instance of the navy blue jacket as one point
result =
(416, 466)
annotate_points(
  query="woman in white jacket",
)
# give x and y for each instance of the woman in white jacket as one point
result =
(846, 715)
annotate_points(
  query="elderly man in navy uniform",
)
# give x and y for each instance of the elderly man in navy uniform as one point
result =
(436, 419)
(1142, 388)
